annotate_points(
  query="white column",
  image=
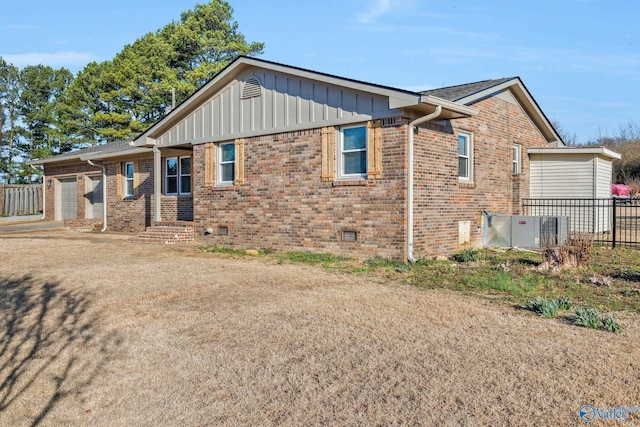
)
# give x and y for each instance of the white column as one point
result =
(157, 184)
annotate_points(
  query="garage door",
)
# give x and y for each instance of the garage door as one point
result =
(68, 199)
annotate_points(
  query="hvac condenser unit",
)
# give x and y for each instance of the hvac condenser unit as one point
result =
(525, 231)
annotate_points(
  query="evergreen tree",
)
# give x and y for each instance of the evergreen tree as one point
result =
(120, 99)
(10, 132)
(41, 89)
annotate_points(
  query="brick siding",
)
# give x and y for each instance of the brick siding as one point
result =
(79, 172)
(129, 214)
(135, 214)
(283, 203)
(441, 201)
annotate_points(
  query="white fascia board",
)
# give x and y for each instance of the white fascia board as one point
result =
(456, 107)
(143, 141)
(577, 150)
(48, 160)
(99, 156)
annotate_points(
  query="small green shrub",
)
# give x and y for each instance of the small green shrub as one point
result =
(466, 255)
(588, 317)
(543, 307)
(609, 324)
(564, 304)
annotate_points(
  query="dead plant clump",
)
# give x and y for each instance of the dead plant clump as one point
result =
(572, 254)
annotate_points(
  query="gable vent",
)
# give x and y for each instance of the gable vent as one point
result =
(251, 88)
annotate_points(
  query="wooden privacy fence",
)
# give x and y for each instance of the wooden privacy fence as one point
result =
(20, 199)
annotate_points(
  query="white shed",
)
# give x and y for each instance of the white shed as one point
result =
(577, 173)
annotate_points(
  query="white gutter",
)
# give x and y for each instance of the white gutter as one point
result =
(416, 122)
(104, 194)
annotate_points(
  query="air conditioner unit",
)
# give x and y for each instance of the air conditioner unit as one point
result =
(525, 231)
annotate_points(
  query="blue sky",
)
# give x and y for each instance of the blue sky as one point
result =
(580, 59)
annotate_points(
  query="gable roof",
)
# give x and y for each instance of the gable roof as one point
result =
(470, 93)
(397, 98)
(97, 152)
(456, 101)
(455, 93)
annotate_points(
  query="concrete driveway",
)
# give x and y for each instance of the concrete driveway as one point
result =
(15, 224)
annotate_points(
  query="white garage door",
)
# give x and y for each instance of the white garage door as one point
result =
(68, 199)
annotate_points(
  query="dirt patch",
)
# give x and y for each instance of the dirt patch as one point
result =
(162, 335)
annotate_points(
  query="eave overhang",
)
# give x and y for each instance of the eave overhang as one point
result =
(600, 151)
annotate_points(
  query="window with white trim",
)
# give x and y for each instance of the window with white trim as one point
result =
(465, 156)
(352, 159)
(226, 163)
(177, 176)
(128, 176)
(517, 155)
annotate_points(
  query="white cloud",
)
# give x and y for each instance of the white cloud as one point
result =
(379, 8)
(67, 59)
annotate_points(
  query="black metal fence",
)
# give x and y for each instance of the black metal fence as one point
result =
(613, 222)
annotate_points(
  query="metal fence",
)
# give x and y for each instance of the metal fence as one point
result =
(21, 199)
(613, 222)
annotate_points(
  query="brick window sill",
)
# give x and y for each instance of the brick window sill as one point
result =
(351, 183)
(174, 196)
(225, 188)
(469, 185)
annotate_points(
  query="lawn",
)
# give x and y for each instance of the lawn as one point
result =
(99, 331)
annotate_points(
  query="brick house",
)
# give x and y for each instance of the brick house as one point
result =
(267, 155)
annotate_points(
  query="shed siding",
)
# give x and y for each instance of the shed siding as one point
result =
(560, 176)
(286, 102)
(603, 182)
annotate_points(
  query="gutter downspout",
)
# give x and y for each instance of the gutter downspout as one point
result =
(44, 195)
(416, 122)
(104, 194)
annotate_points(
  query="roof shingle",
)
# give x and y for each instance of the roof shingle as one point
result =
(455, 93)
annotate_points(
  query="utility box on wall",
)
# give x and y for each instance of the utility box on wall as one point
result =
(525, 231)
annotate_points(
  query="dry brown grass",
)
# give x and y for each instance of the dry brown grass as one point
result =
(169, 336)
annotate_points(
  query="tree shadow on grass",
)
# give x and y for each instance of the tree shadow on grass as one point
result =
(50, 346)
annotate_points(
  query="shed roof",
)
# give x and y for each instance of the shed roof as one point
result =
(601, 151)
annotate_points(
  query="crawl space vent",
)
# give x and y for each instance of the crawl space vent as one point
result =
(223, 231)
(350, 236)
(251, 88)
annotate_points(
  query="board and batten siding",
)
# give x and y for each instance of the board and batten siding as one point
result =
(285, 103)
